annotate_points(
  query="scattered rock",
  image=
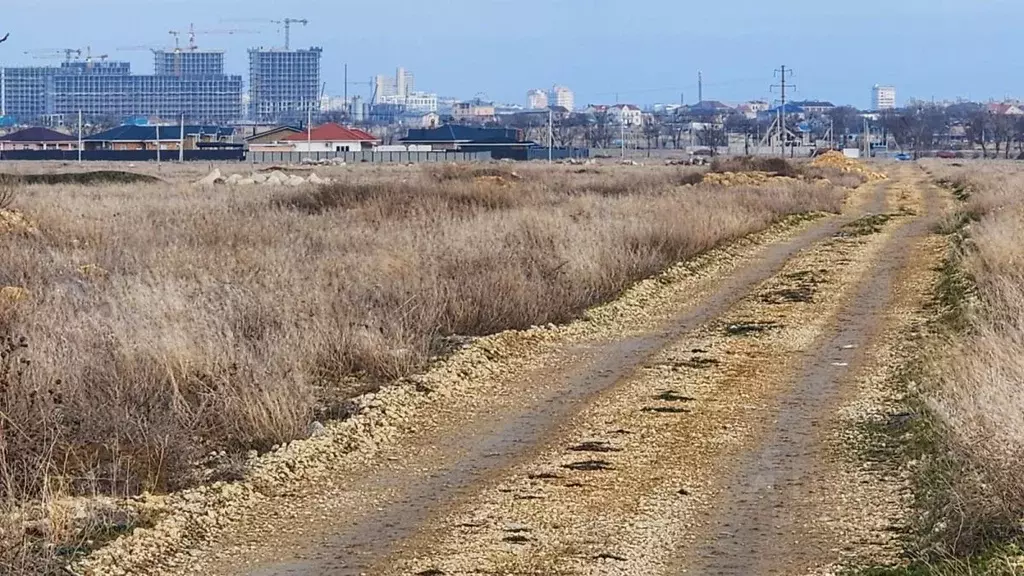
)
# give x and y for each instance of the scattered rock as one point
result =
(316, 429)
(212, 178)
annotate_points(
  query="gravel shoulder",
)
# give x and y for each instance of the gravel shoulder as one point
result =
(369, 491)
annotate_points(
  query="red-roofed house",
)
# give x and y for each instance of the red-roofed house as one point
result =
(1005, 109)
(330, 137)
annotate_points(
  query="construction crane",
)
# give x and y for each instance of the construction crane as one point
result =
(192, 46)
(288, 29)
(286, 22)
(191, 32)
(46, 54)
(89, 56)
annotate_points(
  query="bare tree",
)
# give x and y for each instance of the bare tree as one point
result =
(651, 130)
(979, 129)
(845, 119)
(600, 131)
(712, 136)
(1002, 132)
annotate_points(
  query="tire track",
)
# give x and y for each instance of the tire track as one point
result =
(631, 476)
(370, 513)
(766, 522)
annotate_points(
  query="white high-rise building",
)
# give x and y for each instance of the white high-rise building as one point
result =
(883, 97)
(537, 99)
(404, 82)
(401, 90)
(562, 96)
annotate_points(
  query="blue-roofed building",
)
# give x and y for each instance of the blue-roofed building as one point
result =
(790, 109)
(134, 137)
(468, 138)
(815, 106)
(37, 138)
(502, 143)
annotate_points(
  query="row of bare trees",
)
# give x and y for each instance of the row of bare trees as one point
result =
(922, 128)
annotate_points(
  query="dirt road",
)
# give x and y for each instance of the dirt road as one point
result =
(690, 427)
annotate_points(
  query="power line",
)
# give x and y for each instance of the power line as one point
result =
(678, 89)
(782, 109)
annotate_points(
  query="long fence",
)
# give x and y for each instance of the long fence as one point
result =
(124, 155)
(367, 156)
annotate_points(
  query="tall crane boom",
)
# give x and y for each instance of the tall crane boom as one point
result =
(288, 29)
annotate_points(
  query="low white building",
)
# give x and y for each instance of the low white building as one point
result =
(330, 137)
(627, 114)
(415, 101)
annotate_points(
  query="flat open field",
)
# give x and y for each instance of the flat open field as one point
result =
(494, 369)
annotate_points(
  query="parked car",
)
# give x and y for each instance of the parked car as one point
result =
(945, 154)
(903, 157)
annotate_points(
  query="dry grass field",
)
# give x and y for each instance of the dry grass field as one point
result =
(145, 325)
(977, 391)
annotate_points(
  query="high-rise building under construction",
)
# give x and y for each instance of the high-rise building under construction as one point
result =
(188, 62)
(192, 84)
(284, 85)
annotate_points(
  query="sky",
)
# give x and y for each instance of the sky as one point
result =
(606, 51)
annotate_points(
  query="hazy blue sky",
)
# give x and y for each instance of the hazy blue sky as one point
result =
(645, 50)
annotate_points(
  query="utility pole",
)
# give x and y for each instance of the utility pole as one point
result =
(309, 130)
(700, 87)
(782, 109)
(79, 136)
(348, 109)
(551, 134)
(181, 140)
(867, 139)
(622, 137)
(158, 143)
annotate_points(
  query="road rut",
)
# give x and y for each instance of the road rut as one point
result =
(619, 449)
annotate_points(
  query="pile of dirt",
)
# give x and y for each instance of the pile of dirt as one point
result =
(743, 178)
(12, 221)
(275, 178)
(839, 161)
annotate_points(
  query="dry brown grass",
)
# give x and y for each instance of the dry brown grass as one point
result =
(978, 393)
(165, 321)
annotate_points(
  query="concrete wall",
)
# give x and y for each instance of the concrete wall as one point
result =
(323, 146)
(367, 156)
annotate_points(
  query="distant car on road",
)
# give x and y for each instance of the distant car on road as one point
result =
(947, 154)
(903, 157)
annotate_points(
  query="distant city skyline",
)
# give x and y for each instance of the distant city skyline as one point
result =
(643, 52)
